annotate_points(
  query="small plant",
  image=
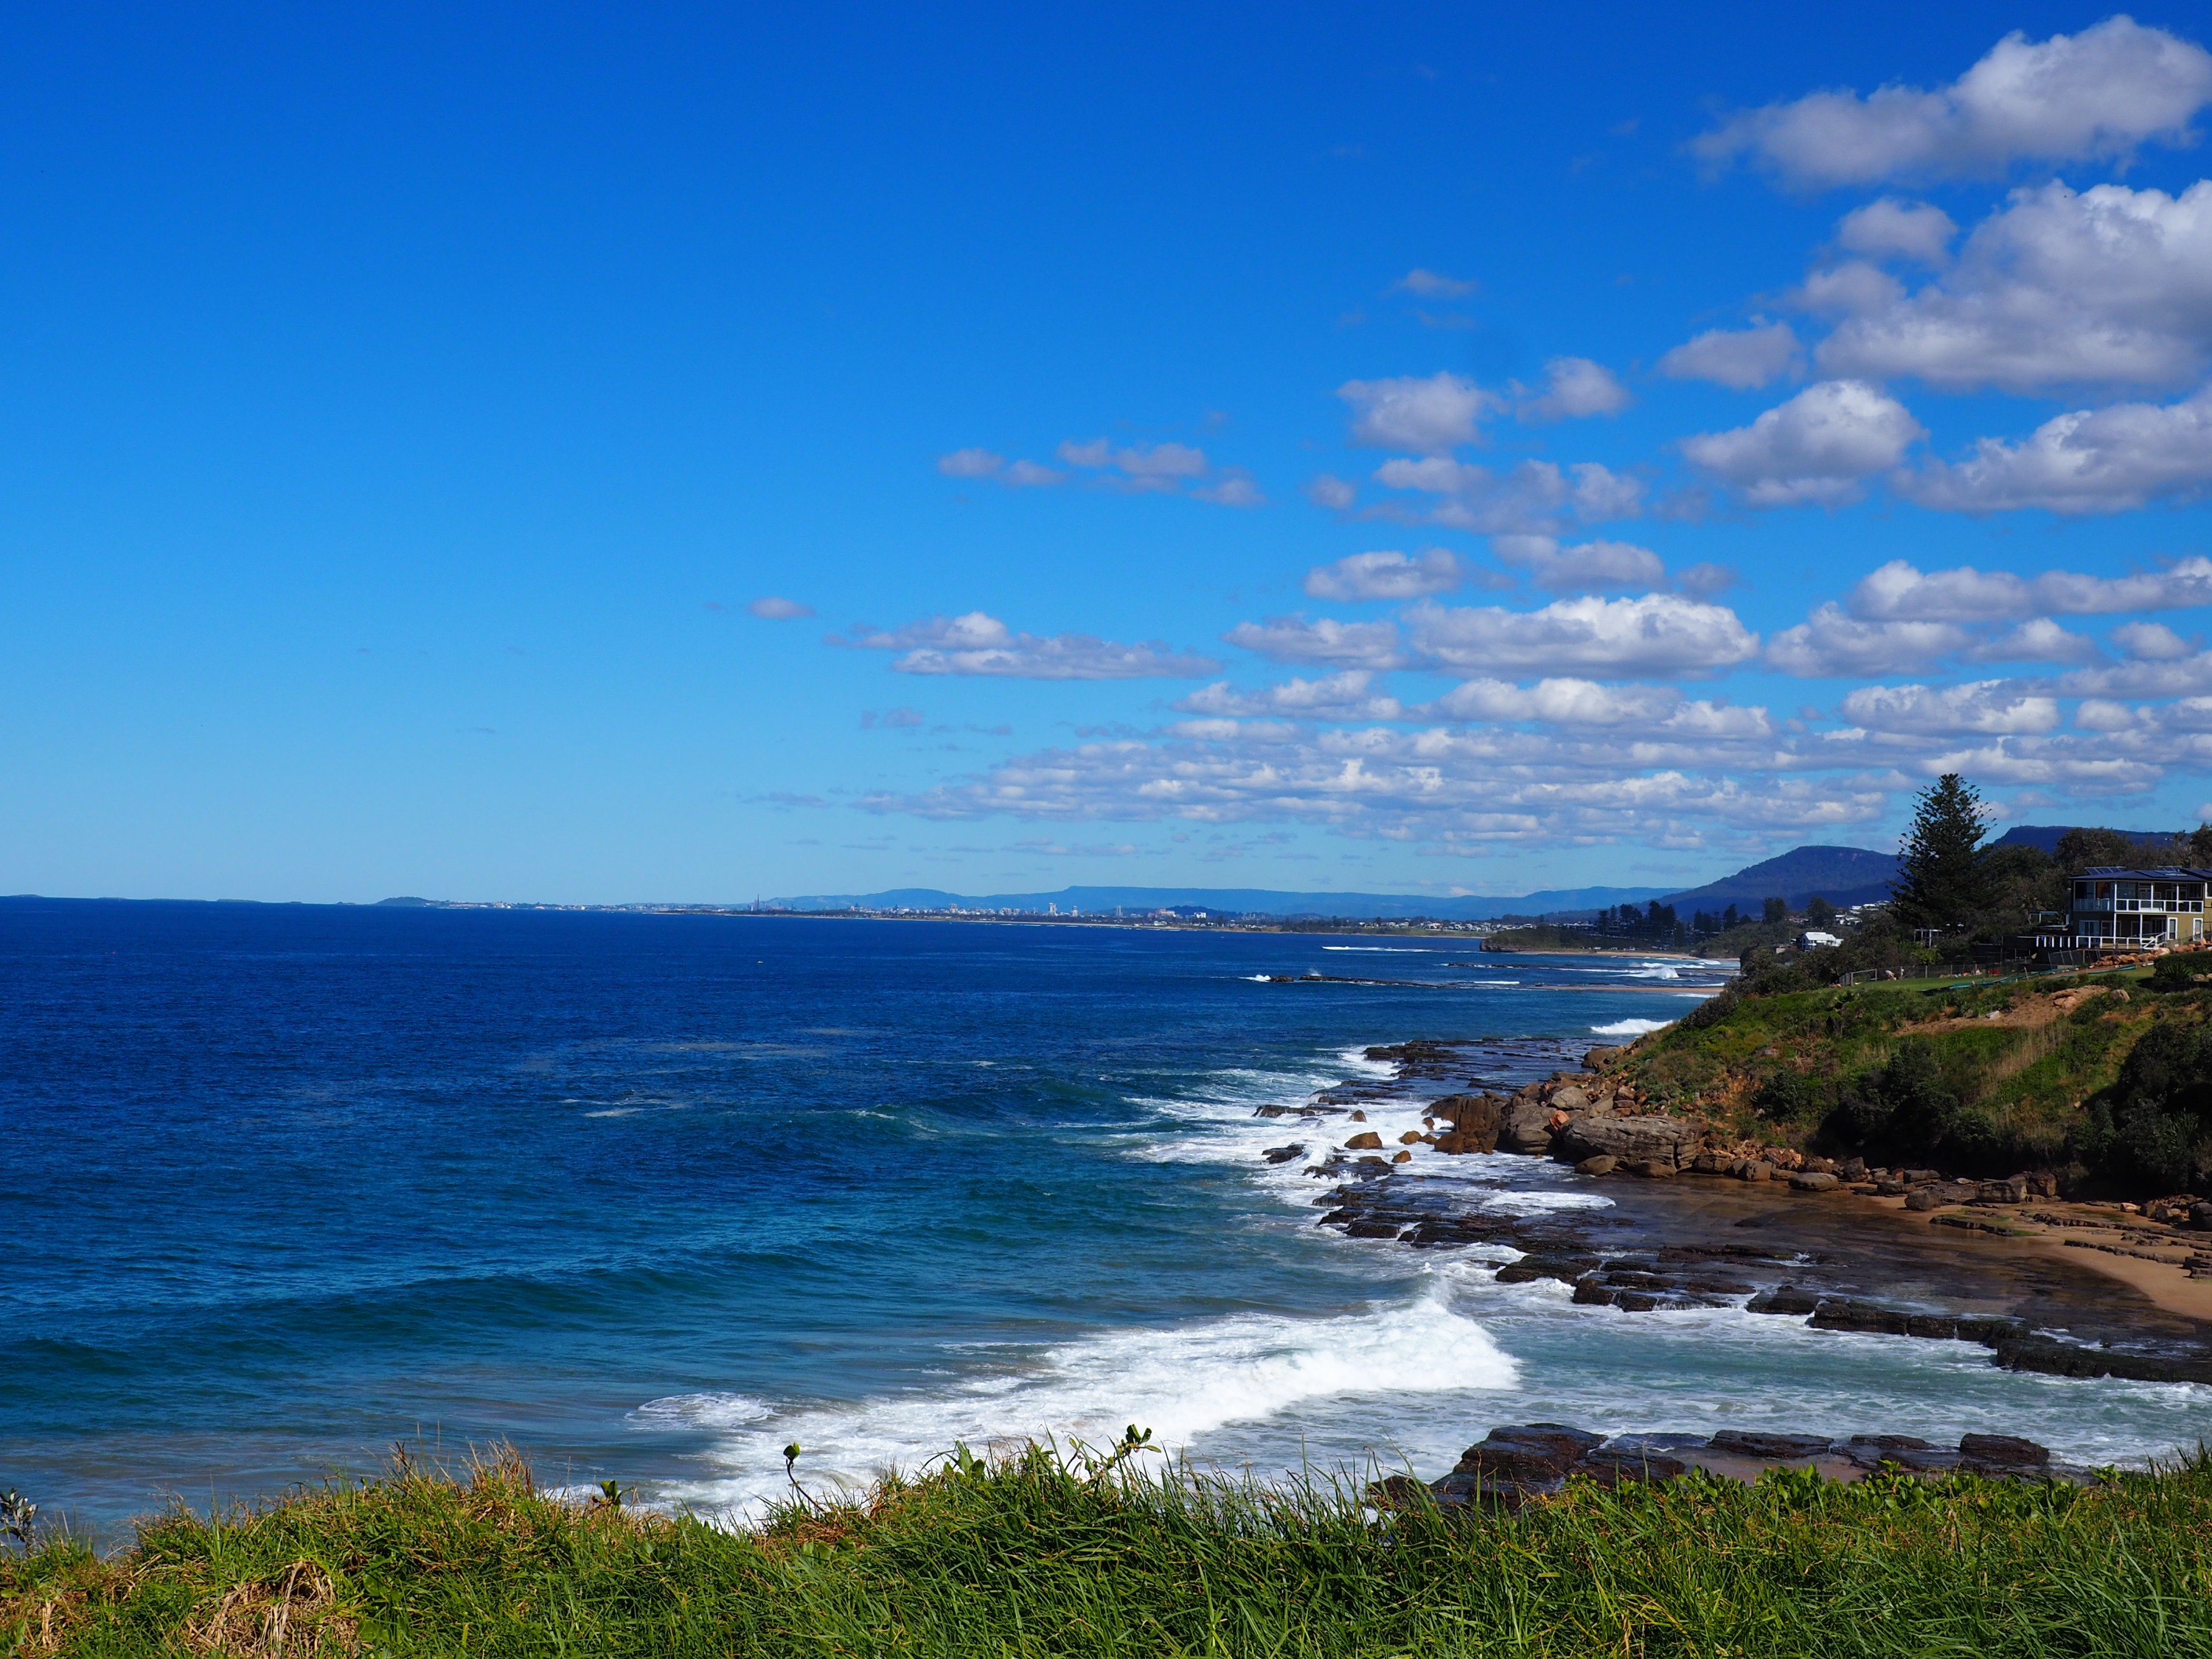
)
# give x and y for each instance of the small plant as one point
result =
(18, 1517)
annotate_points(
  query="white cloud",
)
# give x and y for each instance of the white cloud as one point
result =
(1293, 639)
(1576, 386)
(1527, 501)
(2037, 640)
(978, 643)
(2181, 678)
(1990, 707)
(1583, 568)
(1909, 230)
(969, 464)
(1387, 575)
(1332, 492)
(1349, 696)
(1814, 449)
(2101, 93)
(1853, 288)
(1901, 590)
(1234, 487)
(1429, 416)
(1031, 474)
(1161, 468)
(2149, 642)
(2100, 714)
(2105, 460)
(2107, 287)
(1659, 632)
(776, 608)
(1565, 702)
(1739, 358)
(1434, 285)
(1705, 578)
(1832, 644)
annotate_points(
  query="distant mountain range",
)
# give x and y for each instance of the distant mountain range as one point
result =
(1248, 901)
(1841, 875)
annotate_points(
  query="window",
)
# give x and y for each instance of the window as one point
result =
(2081, 889)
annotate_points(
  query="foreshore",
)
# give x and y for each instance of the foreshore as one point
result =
(2064, 1288)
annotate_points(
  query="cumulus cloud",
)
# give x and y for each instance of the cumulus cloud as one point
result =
(1573, 387)
(2037, 640)
(2149, 641)
(1429, 416)
(1891, 228)
(1833, 644)
(1565, 702)
(2106, 287)
(1854, 289)
(1738, 358)
(1434, 285)
(1330, 491)
(1657, 633)
(1350, 695)
(776, 608)
(2102, 93)
(1991, 706)
(2105, 460)
(1899, 589)
(1583, 568)
(1293, 639)
(1386, 575)
(1816, 448)
(978, 643)
(1528, 500)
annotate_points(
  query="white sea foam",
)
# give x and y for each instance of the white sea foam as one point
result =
(1180, 1384)
(1384, 949)
(1630, 1027)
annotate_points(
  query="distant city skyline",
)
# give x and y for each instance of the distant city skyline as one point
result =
(599, 458)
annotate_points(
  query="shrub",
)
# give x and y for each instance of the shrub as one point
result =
(1790, 1097)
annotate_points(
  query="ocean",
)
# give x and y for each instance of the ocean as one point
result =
(653, 1196)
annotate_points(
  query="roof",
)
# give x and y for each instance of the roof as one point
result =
(2122, 872)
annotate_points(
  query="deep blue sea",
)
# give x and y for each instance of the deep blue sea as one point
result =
(652, 1196)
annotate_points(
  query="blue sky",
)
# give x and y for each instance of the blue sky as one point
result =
(1414, 448)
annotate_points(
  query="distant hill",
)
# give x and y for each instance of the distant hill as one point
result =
(1248, 901)
(2044, 837)
(1841, 875)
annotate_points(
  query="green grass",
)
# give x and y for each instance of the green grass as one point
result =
(1024, 1557)
(2024, 1087)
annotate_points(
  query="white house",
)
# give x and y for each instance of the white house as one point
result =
(2139, 907)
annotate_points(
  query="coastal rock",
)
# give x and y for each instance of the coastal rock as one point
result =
(1510, 1464)
(1571, 1098)
(1367, 1141)
(1600, 1165)
(2004, 1451)
(1283, 1154)
(1601, 1056)
(1476, 1121)
(1526, 1128)
(1813, 1182)
(1663, 1140)
(1780, 1447)
(1652, 1168)
(1755, 1168)
(1784, 1299)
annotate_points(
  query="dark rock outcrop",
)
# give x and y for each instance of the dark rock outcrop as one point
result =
(1670, 1142)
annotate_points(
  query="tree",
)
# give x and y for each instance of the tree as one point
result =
(1818, 912)
(1777, 911)
(1728, 918)
(1941, 881)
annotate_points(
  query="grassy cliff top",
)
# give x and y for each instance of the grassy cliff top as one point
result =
(1023, 1558)
(1984, 1076)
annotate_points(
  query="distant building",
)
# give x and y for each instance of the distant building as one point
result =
(2139, 907)
(1813, 940)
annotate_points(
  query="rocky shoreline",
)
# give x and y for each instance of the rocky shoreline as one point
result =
(1513, 1464)
(2005, 1264)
